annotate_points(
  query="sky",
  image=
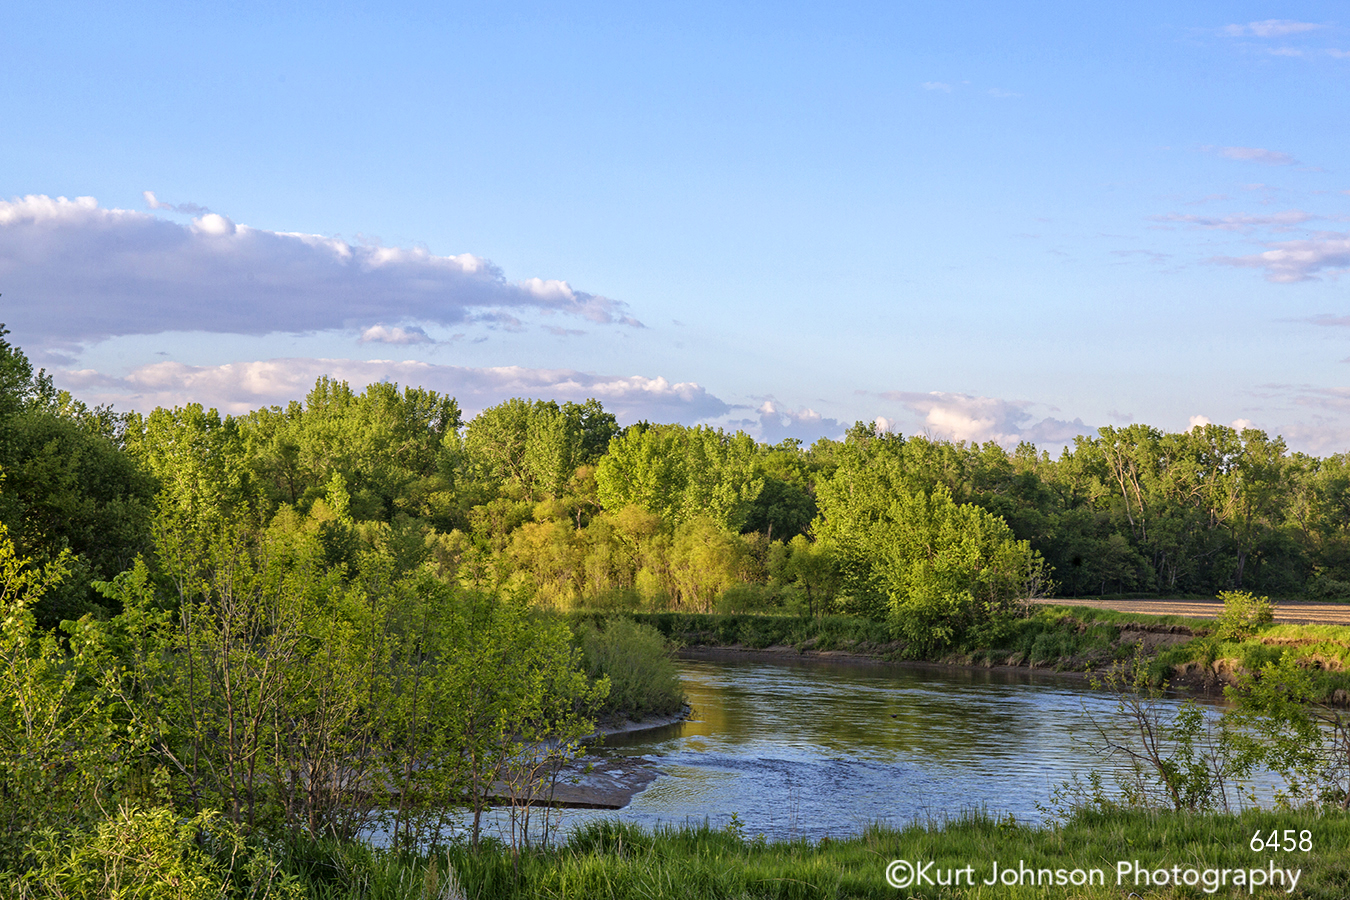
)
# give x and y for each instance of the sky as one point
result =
(971, 220)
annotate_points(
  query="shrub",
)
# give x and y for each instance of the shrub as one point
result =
(614, 600)
(1323, 587)
(637, 660)
(1243, 613)
(154, 855)
(755, 598)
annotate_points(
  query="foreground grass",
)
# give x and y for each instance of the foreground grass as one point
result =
(616, 860)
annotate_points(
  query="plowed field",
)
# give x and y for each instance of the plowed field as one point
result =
(1294, 612)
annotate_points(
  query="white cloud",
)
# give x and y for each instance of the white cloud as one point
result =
(1268, 28)
(1320, 436)
(1285, 219)
(74, 271)
(1238, 425)
(243, 386)
(961, 417)
(1256, 155)
(215, 225)
(382, 334)
(937, 86)
(1291, 261)
(776, 422)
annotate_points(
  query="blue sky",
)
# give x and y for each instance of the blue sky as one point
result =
(983, 221)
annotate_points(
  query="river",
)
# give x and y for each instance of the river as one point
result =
(808, 748)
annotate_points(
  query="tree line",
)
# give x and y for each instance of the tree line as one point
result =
(558, 503)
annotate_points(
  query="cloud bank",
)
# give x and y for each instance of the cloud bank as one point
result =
(74, 271)
(961, 417)
(243, 386)
(776, 423)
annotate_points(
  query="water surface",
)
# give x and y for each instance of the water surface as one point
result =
(806, 748)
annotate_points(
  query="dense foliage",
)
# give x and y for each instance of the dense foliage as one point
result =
(344, 614)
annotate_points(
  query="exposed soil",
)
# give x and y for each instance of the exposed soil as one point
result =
(600, 782)
(591, 782)
(1292, 612)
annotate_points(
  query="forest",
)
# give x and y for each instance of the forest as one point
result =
(558, 503)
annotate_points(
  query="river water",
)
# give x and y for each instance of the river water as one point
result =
(813, 748)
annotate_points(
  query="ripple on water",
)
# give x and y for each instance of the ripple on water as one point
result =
(823, 748)
(810, 749)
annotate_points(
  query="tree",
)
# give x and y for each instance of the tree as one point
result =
(66, 487)
(16, 377)
(908, 552)
(813, 567)
(512, 689)
(945, 567)
(681, 474)
(1286, 723)
(535, 447)
(61, 754)
(387, 444)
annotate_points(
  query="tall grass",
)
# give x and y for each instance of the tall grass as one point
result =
(638, 661)
(616, 860)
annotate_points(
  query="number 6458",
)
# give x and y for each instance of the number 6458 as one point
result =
(1288, 840)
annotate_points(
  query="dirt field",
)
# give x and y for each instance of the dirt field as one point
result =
(1293, 612)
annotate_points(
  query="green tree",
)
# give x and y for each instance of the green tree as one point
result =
(389, 446)
(814, 568)
(515, 697)
(535, 447)
(681, 474)
(1285, 721)
(62, 752)
(66, 487)
(945, 567)
(908, 552)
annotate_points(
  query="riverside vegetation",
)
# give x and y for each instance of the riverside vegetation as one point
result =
(230, 646)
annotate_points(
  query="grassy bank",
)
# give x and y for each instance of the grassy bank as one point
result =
(613, 860)
(1061, 638)
(1185, 651)
(616, 861)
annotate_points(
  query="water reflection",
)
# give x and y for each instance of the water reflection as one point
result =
(805, 749)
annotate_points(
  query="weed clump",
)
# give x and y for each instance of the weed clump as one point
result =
(643, 680)
(1243, 614)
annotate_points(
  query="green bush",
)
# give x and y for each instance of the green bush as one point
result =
(637, 660)
(1243, 613)
(154, 854)
(1324, 587)
(615, 600)
(753, 598)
